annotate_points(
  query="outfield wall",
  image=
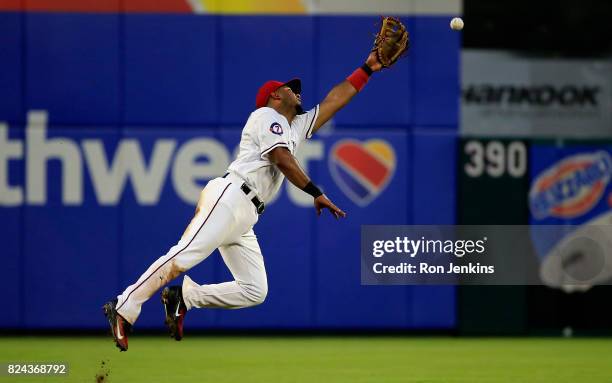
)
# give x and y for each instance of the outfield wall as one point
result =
(112, 122)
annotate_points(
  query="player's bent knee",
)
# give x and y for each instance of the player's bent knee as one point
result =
(258, 296)
(255, 294)
(262, 294)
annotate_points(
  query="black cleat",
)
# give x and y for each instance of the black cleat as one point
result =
(119, 326)
(174, 306)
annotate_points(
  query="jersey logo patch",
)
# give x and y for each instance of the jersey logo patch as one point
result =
(276, 128)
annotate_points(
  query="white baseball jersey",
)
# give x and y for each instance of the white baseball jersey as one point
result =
(266, 129)
(224, 220)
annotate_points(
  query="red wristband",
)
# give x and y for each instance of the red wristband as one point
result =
(358, 79)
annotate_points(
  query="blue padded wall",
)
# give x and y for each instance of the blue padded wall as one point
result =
(170, 69)
(143, 80)
(271, 48)
(11, 75)
(72, 67)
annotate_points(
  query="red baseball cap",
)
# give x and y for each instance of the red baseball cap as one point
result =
(270, 86)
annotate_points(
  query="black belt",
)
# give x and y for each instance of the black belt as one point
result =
(259, 205)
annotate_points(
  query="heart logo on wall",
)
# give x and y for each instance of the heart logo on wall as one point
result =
(362, 170)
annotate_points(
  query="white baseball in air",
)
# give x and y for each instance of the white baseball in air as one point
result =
(456, 24)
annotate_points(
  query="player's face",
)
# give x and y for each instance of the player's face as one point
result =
(289, 97)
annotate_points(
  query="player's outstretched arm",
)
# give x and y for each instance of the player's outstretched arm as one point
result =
(341, 94)
(391, 43)
(288, 165)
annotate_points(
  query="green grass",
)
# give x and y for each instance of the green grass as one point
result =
(320, 359)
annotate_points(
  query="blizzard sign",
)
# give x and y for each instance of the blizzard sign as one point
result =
(571, 187)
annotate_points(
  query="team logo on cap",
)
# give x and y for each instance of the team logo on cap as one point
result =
(276, 128)
(362, 170)
(570, 187)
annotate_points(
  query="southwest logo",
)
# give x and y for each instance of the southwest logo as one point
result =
(362, 169)
(570, 187)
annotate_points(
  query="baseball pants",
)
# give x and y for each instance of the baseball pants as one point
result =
(224, 219)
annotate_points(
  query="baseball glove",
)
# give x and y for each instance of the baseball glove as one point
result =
(391, 41)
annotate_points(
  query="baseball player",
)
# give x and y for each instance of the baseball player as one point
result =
(229, 207)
